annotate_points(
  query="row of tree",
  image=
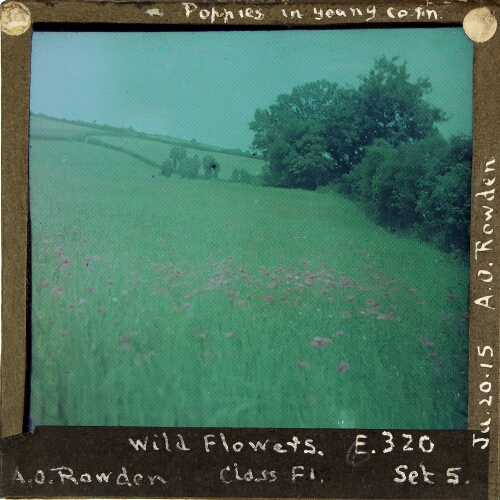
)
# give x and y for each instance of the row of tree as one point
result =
(378, 143)
(320, 131)
(189, 166)
(422, 188)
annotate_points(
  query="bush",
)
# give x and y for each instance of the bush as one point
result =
(211, 167)
(422, 188)
(189, 167)
(167, 167)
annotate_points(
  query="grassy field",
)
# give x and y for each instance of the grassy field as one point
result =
(155, 151)
(176, 302)
(159, 152)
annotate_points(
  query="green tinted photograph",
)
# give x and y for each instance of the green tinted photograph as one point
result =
(250, 229)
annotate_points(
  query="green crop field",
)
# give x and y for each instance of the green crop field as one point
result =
(159, 152)
(175, 302)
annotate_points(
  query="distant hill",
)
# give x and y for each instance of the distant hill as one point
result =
(148, 148)
(48, 127)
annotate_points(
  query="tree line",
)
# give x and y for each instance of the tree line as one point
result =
(378, 144)
(189, 166)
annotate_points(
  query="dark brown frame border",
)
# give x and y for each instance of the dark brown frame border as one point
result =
(15, 58)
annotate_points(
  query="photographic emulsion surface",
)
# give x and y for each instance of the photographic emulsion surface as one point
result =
(249, 250)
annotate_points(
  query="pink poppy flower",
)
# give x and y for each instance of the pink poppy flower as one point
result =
(426, 343)
(343, 367)
(320, 342)
(239, 302)
(125, 338)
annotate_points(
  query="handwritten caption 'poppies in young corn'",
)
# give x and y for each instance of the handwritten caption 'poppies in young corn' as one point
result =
(369, 12)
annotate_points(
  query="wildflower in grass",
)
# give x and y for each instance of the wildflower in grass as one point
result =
(347, 314)
(420, 302)
(362, 312)
(64, 261)
(268, 298)
(283, 299)
(125, 338)
(101, 309)
(229, 335)
(58, 251)
(300, 286)
(89, 289)
(384, 316)
(440, 366)
(412, 291)
(433, 355)
(330, 300)
(350, 298)
(109, 282)
(240, 303)
(302, 365)
(185, 307)
(45, 284)
(427, 343)
(343, 367)
(320, 342)
(71, 305)
(340, 334)
(63, 333)
(273, 285)
(57, 291)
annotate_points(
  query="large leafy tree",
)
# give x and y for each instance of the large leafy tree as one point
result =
(320, 130)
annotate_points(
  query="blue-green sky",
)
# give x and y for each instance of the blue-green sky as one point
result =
(207, 85)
